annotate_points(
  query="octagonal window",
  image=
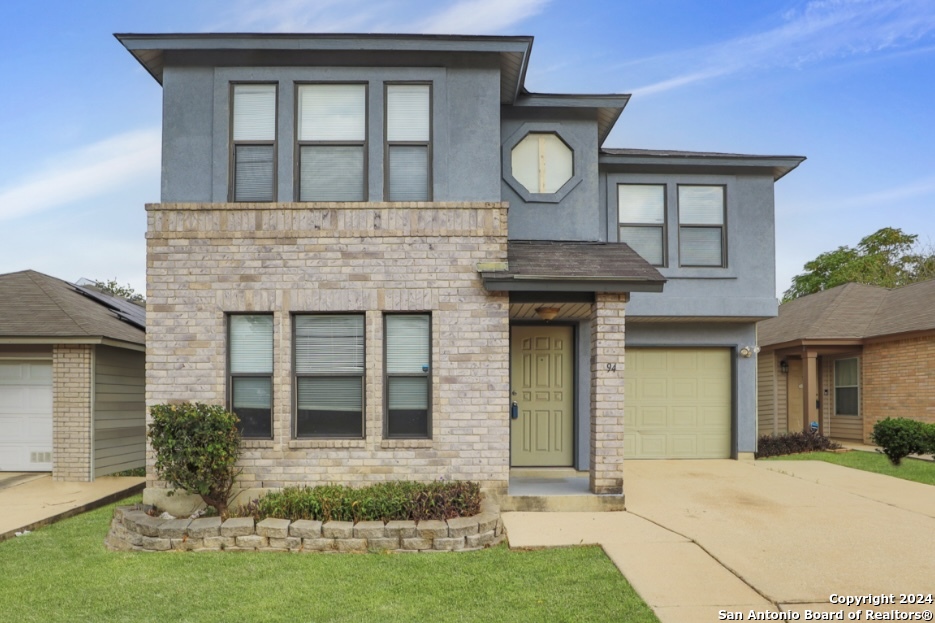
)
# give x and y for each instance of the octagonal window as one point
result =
(542, 162)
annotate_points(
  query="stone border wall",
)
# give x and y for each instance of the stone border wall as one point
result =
(132, 529)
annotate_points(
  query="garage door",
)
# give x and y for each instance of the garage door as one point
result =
(678, 403)
(25, 416)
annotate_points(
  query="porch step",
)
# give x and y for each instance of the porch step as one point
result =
(585, 503)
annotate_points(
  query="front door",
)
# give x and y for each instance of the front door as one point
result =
(542, 380)
(794, 396)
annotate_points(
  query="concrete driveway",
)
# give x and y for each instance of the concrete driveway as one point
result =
(31, 500)
(702, 536)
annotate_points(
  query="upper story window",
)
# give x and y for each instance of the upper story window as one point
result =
(408, 154)
(701, 226)
(542, 162)
(250, 385)
(329, 375)
(642, 220)
(332, 142)
(253, 142)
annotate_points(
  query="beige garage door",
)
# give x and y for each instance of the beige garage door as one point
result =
(26, 416)
(678, 403)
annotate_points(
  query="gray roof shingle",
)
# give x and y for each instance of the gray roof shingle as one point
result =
(34, 305)
(852, 311)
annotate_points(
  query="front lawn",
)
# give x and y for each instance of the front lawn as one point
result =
(64, 573)
(916, 470)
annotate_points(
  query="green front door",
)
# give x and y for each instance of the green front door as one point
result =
(543, 389)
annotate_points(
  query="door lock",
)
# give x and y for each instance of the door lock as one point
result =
(514, 411)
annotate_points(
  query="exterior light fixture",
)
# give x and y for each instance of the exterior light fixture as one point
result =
(547, 313)
(784, 366)
(746, 352)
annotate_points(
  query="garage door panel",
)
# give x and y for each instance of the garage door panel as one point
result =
(25, 416)
(681, 406)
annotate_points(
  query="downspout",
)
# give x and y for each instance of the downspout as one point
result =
(91, 395)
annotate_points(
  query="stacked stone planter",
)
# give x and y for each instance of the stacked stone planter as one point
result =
(133, 529)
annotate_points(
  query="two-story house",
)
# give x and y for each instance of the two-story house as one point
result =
(392, 261)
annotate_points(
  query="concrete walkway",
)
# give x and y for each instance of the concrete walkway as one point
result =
(30, 500)
(704, 536)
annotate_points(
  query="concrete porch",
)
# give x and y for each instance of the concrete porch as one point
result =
(554, 489)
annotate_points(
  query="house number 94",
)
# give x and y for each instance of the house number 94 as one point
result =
(611, 367)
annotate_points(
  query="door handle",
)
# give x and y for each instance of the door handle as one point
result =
(514, 411)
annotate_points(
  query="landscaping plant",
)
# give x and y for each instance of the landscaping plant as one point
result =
(387, 501)
(900, 437)
(197, 447)
(793, 443)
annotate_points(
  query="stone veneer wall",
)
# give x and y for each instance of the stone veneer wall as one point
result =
(71, 412)
(898, 380)
(207, 260)
(133, 529)
(607, 393)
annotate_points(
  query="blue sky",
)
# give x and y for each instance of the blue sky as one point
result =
(848, 83)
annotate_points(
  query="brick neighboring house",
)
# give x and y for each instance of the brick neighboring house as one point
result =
(71, 379)
(394, 261)
(848, 357)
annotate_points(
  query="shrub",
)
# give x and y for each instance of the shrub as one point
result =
(793, 443)
(387, 501)
(197, 447)
(900, 437)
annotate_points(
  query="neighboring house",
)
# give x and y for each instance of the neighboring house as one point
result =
(393, 261)
(71, 379)
(847, 358)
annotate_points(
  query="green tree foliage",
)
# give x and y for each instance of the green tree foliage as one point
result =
(197, 447)
(887, 258)
(115, 289)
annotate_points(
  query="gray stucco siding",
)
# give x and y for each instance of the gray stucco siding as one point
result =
(578, 216)
(713, 334)
(746, 286)
(465, 128)
(187, 126)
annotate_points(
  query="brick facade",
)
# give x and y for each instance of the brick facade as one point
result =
(71, 412)
(607, 392)
(898, 381)
(207, 260)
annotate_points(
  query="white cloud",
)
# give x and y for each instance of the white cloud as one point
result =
(459, 17)
(481, 16)
(817, 31)
(894, 195)
(87, 172)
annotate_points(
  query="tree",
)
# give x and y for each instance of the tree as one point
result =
(115, 289)
(887, 258)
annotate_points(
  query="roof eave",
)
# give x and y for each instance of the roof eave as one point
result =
(499, 282)
(778, 166)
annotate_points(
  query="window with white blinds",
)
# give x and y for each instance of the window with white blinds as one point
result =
(253, 140)
(641, 210)
(408, 375)
(408, 142)
(701, 226)
(250, 347)
(846, 387)
(329, 371)
(332, 142)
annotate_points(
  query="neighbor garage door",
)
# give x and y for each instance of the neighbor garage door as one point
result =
(25, 416)
(678, 403)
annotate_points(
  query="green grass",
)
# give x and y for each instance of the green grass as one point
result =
(64, 573)
(915, 470)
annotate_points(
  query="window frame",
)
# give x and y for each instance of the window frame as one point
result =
(834, 382)
(542, 165)
(230, 376)
(722, 227)
(298, 144)
(429, 374)
(296, 376)
(232, 144)
(665, 220)
(387, 144)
